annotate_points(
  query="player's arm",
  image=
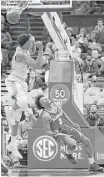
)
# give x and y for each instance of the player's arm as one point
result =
(32, 50)
(30, 61)
(65, 116)
(39, 59)
(46, 119)
(71, 122)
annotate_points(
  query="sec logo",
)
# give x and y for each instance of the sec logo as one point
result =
(45, 148)
(60, 93)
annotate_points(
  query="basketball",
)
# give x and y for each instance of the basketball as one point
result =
(13, 17)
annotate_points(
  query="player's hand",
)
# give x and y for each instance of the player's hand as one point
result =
(76, 126)
(56, 135)
(39, 45)
(32, 38)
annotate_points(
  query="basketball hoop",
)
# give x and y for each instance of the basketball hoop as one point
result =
(13, 15)
(13, 18)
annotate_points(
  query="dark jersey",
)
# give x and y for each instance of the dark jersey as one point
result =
(57, 118)
(92, 120)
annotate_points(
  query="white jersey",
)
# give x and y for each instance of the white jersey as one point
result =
(19, 70)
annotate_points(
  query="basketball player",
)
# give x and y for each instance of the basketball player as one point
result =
(54, 123)
(16, 85)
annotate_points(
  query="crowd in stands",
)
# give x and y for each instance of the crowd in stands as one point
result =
(87, 50)
(88, 7)
(95, 119)
(82, 7)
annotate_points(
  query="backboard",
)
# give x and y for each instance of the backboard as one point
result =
(40, 5)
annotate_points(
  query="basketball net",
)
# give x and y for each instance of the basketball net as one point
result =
(13, 15)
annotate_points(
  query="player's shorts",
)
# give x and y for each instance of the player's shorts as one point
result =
(16, 89)
(74, 133)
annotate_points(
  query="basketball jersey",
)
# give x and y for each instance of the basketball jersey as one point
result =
(19, 70)
(56, 121)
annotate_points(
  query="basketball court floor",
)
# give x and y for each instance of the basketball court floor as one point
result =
(53, 173)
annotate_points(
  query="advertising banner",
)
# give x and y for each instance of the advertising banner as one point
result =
(44, 152)
(99, 146)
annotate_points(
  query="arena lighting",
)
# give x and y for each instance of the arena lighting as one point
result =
(40, 5)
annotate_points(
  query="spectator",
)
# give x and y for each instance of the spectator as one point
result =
(45, 67)
(47, 57)
(81, 35)
(90, 67)
(69, 32)
(100, 64)
(54, 50)
(96, 31)
(96, 46)
(34, 79)
(50, 50)
(84, 48)
(83, 32)
(93, 116)
(100, 25)
(73, 40)
(76, 52)
(95, 55)
(26, 124)
(4, 21)
(6, 42)
(92, 36)
(31, 80)
(100, 32)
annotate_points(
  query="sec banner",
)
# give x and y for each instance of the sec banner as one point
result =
(45, 148)
(45, 153)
